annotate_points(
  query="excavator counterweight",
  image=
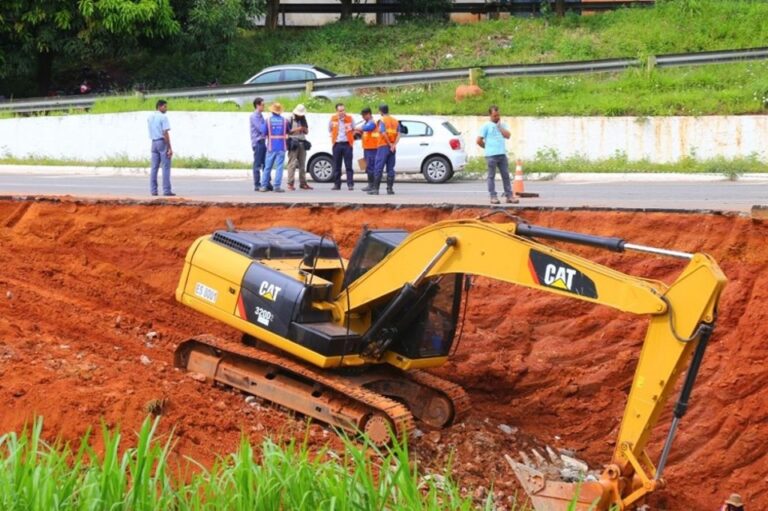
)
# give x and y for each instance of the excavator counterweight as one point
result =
(347, 342)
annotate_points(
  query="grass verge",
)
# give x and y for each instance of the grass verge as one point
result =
(35, 475)
(723, 89)
(548, 161)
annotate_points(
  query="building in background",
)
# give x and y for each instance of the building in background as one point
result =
(315, 19)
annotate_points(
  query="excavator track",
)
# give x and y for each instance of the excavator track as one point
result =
(455, 393)
(330, 399)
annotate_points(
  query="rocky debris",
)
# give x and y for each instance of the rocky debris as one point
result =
(574, 463)
(151, 336)
(436, 479)
(509, 430)
(480, 493)
(145, 360)
(9, 295)
(118, 321)
(197, 376)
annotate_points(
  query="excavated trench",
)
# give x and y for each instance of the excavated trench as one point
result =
(83, 283)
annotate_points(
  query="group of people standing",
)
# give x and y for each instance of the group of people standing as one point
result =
(271, 138)
(274, 136)
(379, 140)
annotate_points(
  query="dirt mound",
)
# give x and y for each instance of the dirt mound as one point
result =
(88, 324)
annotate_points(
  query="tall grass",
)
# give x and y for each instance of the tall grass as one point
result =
(37, 476)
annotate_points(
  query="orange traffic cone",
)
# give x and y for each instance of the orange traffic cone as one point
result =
(519, 188)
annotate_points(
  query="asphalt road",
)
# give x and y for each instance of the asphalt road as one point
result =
(738, 196)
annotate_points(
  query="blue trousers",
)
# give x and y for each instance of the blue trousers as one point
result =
(385, 158)
(274, 158)
(259, 156)
(342, 151)
(160, 157)
(370, 162)
(501, 162)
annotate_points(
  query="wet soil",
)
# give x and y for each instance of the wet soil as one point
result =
(88, 325)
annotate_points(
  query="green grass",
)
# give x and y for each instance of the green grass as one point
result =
(548, 161)
(355, 48)
(37, 476)
(124, 162)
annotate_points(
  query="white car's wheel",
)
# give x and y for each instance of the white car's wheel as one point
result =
(437, 169)
(321, 168)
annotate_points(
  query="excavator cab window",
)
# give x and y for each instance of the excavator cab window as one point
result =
(372, 247)
(428, 327)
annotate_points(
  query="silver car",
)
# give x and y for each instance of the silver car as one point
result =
(292, 73)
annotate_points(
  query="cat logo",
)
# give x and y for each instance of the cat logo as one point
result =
(551, 272)
(269, 291)
(559, 276)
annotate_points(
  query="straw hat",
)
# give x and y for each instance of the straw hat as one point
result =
(300, 110)
(276, 108)
(735, 500)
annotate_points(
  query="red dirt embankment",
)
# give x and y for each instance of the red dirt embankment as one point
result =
(83, 284)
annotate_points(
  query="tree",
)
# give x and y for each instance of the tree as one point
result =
(272, 15)
(209, 28)
(33, 33)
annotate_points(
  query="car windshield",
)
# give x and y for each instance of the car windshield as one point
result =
(325, 71)
(450, 127)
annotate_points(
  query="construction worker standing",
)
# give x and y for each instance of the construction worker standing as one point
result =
(342, 138)
(389, 136)
(277, 134)
(370, 138)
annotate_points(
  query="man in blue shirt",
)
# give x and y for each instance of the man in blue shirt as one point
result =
(159, 128)
(258, 142)
(277, 144)
(492, 138)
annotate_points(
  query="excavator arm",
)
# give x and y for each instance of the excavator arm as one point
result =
(682, 316)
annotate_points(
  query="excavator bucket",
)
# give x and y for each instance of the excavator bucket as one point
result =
(548, 494)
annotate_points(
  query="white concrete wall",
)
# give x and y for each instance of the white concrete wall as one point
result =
(225, 136)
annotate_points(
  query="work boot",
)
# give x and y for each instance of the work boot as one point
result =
(375, 186)
(390, 184)
(370, 184)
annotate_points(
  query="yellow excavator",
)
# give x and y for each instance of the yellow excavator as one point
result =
(347, 342)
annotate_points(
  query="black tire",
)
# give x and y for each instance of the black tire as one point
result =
(437, 169)
(321, 168)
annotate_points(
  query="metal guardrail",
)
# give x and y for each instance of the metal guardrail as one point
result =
(397, 79)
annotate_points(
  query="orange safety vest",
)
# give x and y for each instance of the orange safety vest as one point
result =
(335, 129)
(392, 128)
(371, 138)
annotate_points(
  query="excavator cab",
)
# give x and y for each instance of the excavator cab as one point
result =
(371, 248)
(426, 323)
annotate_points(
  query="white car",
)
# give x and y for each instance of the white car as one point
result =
(431, 146)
